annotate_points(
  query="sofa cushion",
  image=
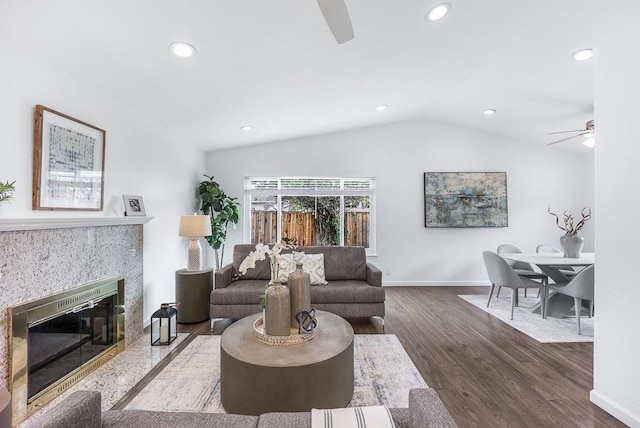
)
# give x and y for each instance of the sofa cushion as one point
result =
(341, 263)
(143, 419)
(401, 417)
(241, 292)
(262, 269)
(81, 409)
(347, 292)
(285, 420)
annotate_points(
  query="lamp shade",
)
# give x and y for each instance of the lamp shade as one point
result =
(195, 225)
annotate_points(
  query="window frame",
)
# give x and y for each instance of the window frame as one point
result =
(273, 187)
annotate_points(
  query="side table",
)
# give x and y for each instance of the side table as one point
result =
(193, 291)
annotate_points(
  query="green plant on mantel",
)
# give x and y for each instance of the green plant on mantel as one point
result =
(6, 190)
(223, 210)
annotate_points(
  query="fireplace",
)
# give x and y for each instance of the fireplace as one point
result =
(57, 340)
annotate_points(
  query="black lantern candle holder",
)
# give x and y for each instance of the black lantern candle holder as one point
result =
(164, 323)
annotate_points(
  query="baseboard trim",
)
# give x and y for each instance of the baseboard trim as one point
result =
(435, 283)
(619, 412)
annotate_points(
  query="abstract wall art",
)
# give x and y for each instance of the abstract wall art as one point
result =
(465, 199)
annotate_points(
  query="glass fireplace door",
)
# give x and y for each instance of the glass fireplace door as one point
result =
(64, 343)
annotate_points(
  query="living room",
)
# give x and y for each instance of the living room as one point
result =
(151, 156)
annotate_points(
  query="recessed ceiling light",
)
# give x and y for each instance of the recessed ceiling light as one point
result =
(437, 12)
(246, 128)
(582, 55)
(590, 142)
(488, 111)
(182, 49)
(382, 107)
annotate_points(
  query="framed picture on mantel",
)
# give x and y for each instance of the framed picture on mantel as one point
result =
(133, 205)
(68, 163)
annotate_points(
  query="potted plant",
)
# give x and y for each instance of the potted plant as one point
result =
(6, 190)
(572, 243)
(223, 210)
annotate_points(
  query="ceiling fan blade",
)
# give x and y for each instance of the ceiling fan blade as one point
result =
(564, 132)
(568, 138)
(337, 17)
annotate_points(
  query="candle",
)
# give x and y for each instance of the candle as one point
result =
(164, 333)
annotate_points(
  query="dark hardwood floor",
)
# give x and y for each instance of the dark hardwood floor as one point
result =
(487, 373)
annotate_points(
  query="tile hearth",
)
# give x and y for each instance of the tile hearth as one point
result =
(115, 378)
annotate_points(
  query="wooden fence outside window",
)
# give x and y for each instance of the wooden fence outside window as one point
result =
(301, 227)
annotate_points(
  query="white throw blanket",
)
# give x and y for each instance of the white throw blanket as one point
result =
(352, 417)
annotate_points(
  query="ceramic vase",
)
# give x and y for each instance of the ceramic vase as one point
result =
(572, 246)
(277, 310)
(300, 289)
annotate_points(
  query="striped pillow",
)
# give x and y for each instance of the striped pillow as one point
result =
(352, 417)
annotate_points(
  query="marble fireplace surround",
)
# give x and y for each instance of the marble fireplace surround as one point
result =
(43, 256)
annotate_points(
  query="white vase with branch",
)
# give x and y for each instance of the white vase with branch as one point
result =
(572, 243)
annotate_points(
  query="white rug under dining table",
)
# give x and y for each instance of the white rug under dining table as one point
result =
(550, 330)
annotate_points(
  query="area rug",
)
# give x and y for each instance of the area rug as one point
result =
(550, 330)
(383, 375)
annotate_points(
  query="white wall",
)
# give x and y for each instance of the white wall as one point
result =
(617, 90)
(141, 159)
(397, 155)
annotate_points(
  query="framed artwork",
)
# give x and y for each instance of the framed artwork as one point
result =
(68, 163)
(465, 199)
(133, 205)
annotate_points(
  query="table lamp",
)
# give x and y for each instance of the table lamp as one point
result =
(194, 226)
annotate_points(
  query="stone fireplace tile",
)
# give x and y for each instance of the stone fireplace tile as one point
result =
(37, 263)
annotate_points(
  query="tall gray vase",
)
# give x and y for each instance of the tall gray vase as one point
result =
(300, 288)
(572, 246)
(277, 310)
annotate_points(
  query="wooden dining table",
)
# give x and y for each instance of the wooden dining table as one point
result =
(553, 264)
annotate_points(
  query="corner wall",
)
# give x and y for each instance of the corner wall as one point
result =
(397, 156)
(617, 90)
(141, 159)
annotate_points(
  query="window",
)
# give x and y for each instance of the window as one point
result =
(310, 211)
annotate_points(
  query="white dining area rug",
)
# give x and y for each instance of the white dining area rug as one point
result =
(383, 375)
(550, 330)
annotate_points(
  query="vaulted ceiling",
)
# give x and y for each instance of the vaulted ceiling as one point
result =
(275, 66)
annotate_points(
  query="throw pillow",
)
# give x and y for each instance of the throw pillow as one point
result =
(313, 264)
(286, 267)
(370, 417)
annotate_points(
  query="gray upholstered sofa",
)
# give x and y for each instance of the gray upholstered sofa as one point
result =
(354, 286)
(82, 410)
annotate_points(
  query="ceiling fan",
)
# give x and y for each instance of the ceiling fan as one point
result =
(337, 17)
(588, 132)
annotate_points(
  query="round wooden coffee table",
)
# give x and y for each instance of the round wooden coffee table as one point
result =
(256, 378)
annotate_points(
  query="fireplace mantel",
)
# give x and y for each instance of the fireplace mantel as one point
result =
(14, 224)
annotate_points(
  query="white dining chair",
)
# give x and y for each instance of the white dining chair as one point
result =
(581, 287)
(522, 269)
(501, 274)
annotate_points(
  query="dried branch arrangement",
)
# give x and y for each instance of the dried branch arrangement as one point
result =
(569, 228)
